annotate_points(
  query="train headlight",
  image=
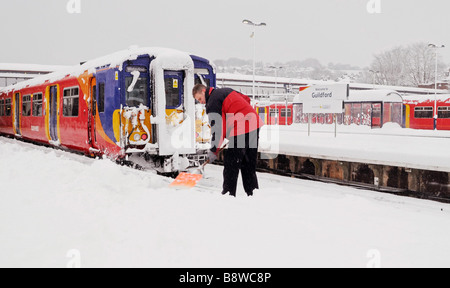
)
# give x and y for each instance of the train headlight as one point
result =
(137, 137)
(144, 137)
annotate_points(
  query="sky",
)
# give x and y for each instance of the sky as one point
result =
(338, 31)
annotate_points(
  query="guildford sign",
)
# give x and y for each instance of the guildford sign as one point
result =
(323, 98)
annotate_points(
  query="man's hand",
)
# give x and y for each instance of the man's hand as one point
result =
(212, 157)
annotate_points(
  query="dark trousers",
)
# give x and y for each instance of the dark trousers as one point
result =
(241, 155)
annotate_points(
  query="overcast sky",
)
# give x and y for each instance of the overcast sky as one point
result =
(339, 31)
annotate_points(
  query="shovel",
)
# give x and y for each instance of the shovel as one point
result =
(189, 179)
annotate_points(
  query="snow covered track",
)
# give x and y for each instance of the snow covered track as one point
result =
(53, 203)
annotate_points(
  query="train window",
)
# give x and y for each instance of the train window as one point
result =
(2, 107)
(198, 81)
(71, 102)
(423, 112)
(8, 107)
(101, 97)
(444, 112)
(173, 99)
(139, 93)
(37, 104)
(348, 114)
(283, 113)
(298, 111)
(26, 105)
(274, 112)
(357, 113)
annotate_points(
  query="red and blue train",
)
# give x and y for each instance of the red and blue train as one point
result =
(132, 105)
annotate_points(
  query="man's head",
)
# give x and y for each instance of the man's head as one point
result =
(199, 92)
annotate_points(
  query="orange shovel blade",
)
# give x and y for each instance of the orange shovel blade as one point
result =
(186, 180)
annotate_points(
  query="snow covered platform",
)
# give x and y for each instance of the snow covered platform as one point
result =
(60, 209)
(390, 145)
(407, 159)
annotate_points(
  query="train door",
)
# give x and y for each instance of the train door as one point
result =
(92, 113)
(377, 115)
(262, 114)
(53, 112)
(17, 113)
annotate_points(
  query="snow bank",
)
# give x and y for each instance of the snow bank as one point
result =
(113, 216)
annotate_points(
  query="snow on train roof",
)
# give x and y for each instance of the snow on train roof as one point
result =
(366, 96)
(426, 98)
(18, 67)
(172, 58)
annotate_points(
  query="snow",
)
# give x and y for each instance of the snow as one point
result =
(414, 99)
(113, 216)
(388, 96)
(390, 145)
(30, 67)
(113, 60)
(171, 136)
(227, 79)
(136, 75)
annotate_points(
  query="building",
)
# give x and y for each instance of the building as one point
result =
(266, 86)
(12, 73)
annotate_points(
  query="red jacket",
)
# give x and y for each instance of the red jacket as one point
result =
(237, 115)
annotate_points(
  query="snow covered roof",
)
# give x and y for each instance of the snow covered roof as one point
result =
(229, 77)
(426, 98)
(366, 96)
(116, 59)
(374, 95)
(32, 68)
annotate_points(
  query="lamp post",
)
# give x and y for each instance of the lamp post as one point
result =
(373, 77)
(248, 22)
(276, 75)
(435, 114)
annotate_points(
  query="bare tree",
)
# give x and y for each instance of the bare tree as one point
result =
(406, 66)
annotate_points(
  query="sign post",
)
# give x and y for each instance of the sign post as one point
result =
(326, 99)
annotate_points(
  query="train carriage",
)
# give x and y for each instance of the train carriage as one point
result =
(420, 112)
(134, 104)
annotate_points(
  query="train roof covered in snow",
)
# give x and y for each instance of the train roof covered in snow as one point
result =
(416, 99)
(117, 59)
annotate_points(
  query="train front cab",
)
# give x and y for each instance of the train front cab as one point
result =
(152, 115)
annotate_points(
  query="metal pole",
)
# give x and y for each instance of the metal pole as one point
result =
(276, 80)
(254, 60)
(435, 91)
(309, 124)
(435, 114)
(286, 112)
(335, 125)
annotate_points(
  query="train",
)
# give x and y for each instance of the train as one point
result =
(427, 112)
(133, 106)
(372, 108)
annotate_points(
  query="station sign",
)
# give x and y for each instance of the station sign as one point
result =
(324, 98)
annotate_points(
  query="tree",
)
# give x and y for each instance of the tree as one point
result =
(406, 66)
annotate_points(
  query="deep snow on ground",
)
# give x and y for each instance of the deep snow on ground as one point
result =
(53, 203)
